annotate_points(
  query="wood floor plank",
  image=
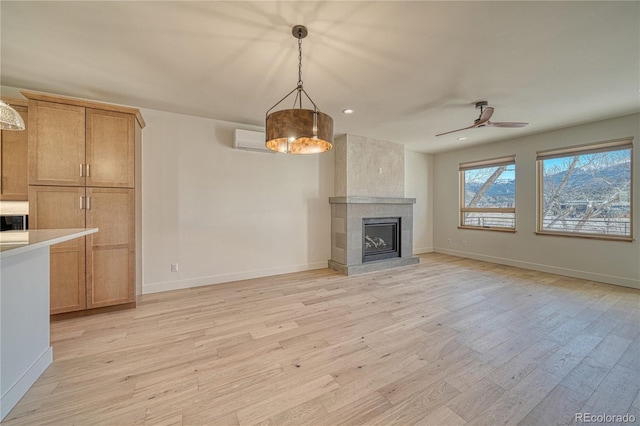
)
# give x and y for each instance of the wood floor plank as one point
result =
(307, 413)
(609, 351)
(170, 419)
(419, 380)
(573, 327)
(557, 408)
(383, 344)
(492, 340)
(506, 351)
(359, 412)
(443, 415)
(616, 393)
(516, 369)
(450, 341)
(474, 400)
(631, 356)
(603, 325)
(585, 378)
(288, 399)
(515, 404)
(570, 355)
(471, 374)
(358, 381)
(627, 329)
(414, 408)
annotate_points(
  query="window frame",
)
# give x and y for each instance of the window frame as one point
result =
(577, 150)
(483, 164)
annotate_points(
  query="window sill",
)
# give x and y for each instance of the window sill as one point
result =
(587, 236)
(488, 228)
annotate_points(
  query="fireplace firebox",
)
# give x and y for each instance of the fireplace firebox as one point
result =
(380, 238)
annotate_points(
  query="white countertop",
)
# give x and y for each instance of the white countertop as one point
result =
(17, 242)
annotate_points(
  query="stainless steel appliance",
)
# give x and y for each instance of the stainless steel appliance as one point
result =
(14, 222)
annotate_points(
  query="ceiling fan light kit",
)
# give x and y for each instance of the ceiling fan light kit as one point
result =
(298, 130)
(483, 120)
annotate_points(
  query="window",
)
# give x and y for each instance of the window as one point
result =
(488, 194)
(586, 190)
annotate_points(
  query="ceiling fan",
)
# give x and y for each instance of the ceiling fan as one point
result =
(483, 120)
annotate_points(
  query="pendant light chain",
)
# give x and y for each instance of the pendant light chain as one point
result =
(299, 94)
(300, 62)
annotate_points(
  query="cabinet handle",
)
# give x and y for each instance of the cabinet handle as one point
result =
(81, 170)
(81, 197)
(88, 203)
(87, 170)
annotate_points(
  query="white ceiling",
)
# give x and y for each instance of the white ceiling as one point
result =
(409, 69)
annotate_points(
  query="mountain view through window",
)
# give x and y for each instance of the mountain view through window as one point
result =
(489, 197)
(587, 193)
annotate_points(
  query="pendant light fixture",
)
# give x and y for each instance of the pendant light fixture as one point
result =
(10, 119)
(298, 130)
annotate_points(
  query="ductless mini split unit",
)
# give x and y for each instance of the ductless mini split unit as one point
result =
(249, 140)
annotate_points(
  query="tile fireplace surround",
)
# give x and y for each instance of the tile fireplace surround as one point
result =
(346, 232)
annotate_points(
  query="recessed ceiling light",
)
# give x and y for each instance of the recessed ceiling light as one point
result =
(462, 139)
(348, 111)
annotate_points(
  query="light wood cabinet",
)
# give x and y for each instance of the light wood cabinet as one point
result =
(56, 144)
(109, 149)
(111, 251)
(53, 207)
(14, 160)
(100, 270)
(84, 160)
(77, 146)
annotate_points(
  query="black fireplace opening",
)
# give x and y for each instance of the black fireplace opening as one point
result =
(380, 238)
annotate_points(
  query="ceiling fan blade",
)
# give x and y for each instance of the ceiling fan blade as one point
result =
(483, 120)
(453, 131)
(485, 116)
(506, 124)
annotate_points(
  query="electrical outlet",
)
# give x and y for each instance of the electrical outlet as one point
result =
(174, 267)
(312, 252)
(449, 241)
(464, 243)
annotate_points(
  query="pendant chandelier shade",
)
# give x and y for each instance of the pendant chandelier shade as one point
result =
(10, 119)
(288, 131)
(298, 130)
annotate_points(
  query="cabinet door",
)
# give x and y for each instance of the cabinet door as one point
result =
(56, 144)
(110, 251)
(110, 149)
(62, 207)
(14, 161)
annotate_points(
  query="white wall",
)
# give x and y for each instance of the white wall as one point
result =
(607, 261)
(224, 214)
(419, 185)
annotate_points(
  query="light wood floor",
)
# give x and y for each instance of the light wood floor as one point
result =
(448, 342)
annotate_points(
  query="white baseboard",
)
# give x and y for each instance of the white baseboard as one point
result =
(225, 278)
(423, 250)
(22, 385)
(591, 276)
